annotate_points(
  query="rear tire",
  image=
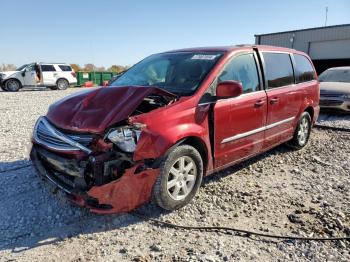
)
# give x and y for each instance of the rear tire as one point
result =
(12, 85)
(302, 132)
(181, 174)
(62, 84)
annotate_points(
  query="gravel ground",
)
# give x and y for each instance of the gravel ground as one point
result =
(337, 120)
(305, 193)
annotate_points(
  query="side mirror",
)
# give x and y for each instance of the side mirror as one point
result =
(229, 89)
(23, 72)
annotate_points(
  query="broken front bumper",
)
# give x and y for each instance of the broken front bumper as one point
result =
(131, 190)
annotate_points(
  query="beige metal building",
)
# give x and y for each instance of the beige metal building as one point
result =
(327, 46)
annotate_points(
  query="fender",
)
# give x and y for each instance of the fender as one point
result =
(154, 145)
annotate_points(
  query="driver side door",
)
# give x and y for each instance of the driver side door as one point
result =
(239, 122)
(29, 75)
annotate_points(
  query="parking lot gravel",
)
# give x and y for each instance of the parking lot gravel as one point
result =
(284, 192)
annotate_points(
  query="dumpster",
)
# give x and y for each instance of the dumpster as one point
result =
(82, 77)
(98, 78)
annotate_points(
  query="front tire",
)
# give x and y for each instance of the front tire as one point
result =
(181, 174)
(12, 85)
(62, 84)
(302, 132)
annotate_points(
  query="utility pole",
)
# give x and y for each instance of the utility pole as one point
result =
(325, 23)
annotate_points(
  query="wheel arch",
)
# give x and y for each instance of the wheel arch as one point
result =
(199, 145)
(311, 112)
(62, 78)
(13, 78)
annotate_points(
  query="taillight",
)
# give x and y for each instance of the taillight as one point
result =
(74, 74)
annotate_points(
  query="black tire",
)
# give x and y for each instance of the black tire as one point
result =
(12, 85)
(62, 84)
(299, 141)
(163, 195)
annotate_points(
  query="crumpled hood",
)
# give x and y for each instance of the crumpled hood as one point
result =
(94, 110)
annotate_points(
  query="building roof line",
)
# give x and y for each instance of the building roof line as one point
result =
(306, 29)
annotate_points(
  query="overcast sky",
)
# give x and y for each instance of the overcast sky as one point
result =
(110, 32)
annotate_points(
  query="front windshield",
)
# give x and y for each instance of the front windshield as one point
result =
(21, 67)
(180, 73)
(335, 75)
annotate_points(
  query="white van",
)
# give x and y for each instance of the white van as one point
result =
(53, 75)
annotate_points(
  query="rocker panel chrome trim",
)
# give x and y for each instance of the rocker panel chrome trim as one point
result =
(254, 131)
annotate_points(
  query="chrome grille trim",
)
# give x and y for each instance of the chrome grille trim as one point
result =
(331, 102)
(47, 135)
(331, 95)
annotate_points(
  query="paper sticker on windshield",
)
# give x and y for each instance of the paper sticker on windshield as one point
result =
(203, 57)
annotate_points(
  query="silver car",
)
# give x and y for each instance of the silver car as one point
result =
(335, 89)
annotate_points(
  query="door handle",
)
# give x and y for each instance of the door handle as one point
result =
(274, 100)
(259, 103)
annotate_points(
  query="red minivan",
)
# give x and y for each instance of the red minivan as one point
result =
(171, 119)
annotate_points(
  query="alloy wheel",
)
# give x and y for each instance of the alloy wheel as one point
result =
(62, 84)
(303, 132)
(12, 85)
(181, 178)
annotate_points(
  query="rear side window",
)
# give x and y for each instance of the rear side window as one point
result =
(304, 71)
(48, 68)
(279, 70)
(243, 69)
(65, 68)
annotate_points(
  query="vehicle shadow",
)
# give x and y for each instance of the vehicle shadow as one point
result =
(333, 115)
(34, 213)
(30, 89)
(281, 149)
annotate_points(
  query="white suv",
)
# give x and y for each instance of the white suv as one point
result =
(53, 75)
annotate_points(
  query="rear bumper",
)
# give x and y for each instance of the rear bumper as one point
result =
(131, 190)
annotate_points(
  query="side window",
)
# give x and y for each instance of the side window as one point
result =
(30, 67)
(279, 70)
(303, 69)
(242, 68)
(65, 68)
(48, 68)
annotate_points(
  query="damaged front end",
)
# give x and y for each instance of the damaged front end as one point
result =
(97, 170)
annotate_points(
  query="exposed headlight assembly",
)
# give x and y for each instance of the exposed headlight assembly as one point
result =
(125, 137)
